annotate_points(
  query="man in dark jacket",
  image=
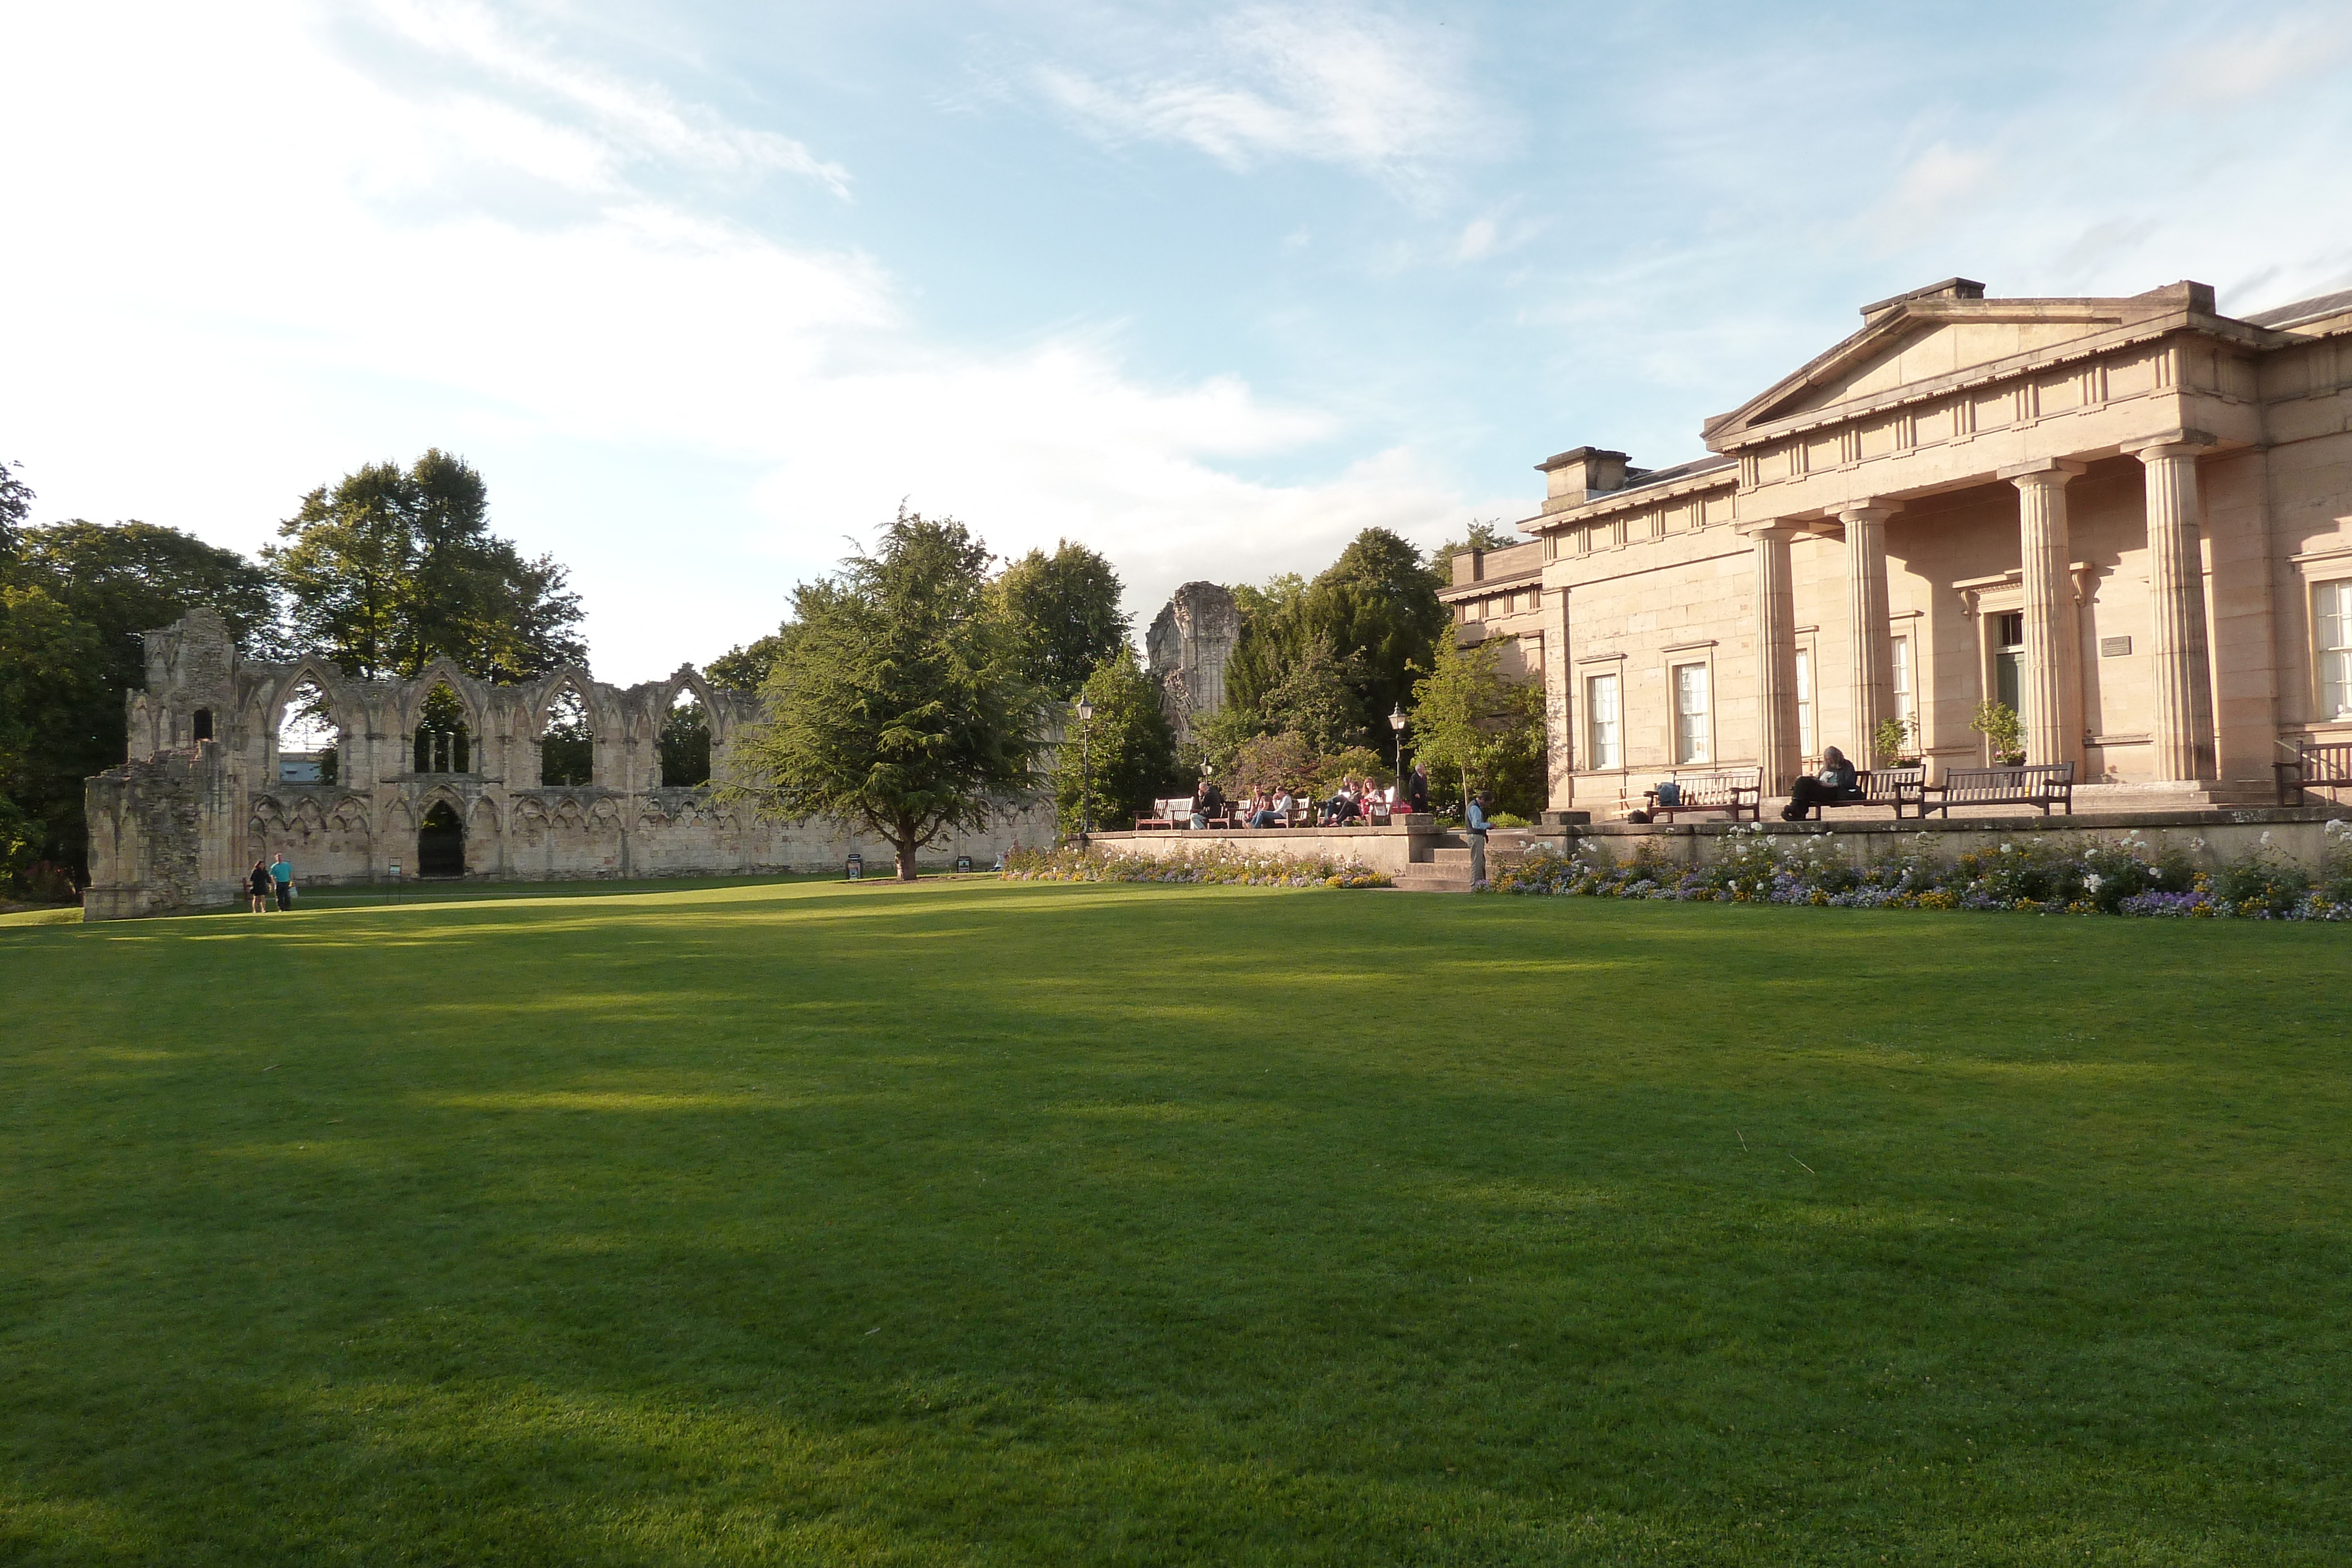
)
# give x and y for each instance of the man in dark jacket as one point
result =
(1417, 794)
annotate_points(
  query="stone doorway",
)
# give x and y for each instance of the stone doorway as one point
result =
(441, 843)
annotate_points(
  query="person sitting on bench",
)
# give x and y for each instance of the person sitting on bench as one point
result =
(1276, 815)
(1836, 782)
(1209, 803)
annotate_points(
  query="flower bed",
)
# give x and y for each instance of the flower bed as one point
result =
(1216, 862)
(2049, 874)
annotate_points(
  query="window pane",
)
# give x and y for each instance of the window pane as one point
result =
(1804, 702)
(1600, 712)
(2332, 624)
(1690, 712)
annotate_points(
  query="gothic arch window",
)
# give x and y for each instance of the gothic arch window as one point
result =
(204, 724)
(443, 744)
(567, 744)
(309, 743)
(685, 741)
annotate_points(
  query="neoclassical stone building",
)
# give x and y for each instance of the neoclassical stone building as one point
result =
(2130, 519)
(210, 786)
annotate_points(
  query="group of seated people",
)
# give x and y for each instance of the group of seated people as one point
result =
(1355, 800)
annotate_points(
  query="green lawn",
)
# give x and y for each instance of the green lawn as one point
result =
(986, 1223)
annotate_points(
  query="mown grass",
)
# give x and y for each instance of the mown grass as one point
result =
(985, 1224)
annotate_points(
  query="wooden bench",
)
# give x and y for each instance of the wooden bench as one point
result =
(1895, 787)
(2318, 764)
(1737, 791)
(2039, 784)
(1167, 814)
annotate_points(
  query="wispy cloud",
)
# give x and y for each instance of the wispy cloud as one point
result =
(621, 120)
(2254, 62)
(1350, 87)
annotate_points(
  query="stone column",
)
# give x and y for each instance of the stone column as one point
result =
(2050, 684)
(1871, 658)
(2180, 671)
(1559, 703)
(1776, 656)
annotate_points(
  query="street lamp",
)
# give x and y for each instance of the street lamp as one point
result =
(1085, 769)
(1396, 722)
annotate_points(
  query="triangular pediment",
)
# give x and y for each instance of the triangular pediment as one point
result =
(1910, 342)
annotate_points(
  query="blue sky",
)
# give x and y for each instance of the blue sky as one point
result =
(706, 290)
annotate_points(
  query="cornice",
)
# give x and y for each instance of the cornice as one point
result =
(1633, 500)
(2124, 335)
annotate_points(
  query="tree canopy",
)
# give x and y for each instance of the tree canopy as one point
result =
(1468, 723)
(1127, 755)
(78, 594)
(1066, 609)
(1485, 533)
(1377, 611)
(389, 569)
(899, 705)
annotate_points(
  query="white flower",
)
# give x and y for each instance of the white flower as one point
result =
(2093, 881)
(2005, 848)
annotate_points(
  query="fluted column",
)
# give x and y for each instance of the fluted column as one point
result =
(2050, 684)
(1870, 658)
(1777, 750)
(2178, 667)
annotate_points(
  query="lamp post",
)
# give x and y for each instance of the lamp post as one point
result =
(1086, 768)
(1396, 722)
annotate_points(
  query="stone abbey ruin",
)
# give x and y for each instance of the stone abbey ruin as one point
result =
(442, 776)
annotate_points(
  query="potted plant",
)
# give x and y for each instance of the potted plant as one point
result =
(2002, 731)
(1892, 744)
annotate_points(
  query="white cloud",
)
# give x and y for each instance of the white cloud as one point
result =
(691, 413)
(2222, 73)
(629, 119)
(1349, 86)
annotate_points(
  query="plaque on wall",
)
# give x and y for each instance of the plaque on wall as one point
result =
(2114, 647)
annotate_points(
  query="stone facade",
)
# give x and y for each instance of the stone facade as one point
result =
(1189, 642)
(207, 791)
(2131, 517)
(1497, 596)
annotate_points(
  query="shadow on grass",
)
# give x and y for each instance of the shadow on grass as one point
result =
(1159, 1225)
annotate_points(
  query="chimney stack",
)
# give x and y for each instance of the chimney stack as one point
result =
(1575, 477)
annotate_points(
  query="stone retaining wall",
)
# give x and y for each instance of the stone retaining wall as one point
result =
(2213, 837)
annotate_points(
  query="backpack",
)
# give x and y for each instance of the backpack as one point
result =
(1670, 793)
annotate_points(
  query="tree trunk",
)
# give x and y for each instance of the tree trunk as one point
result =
(905, 860)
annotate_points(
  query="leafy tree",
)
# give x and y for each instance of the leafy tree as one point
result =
(71, 641)
(898, 705)
(1065, 606)
(1485, 533)
(1468, 721)
(1317, 698)
(53, 699)
(1272, 763)
(1129, 755)
(389, 569)
(685, 746)
(1378, 603)
(131, 577)
(744, 668)
(16, 507)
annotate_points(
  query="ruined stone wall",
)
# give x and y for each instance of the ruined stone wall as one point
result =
(178, 824)
(1189, 641)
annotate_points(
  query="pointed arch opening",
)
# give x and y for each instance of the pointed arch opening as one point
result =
(685, 741)
(443, 742)
(441, 843)
(567, 741)
(309, 742)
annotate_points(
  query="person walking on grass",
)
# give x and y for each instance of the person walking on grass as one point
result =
(258, 883)
(283, 875)
(1474, 826)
